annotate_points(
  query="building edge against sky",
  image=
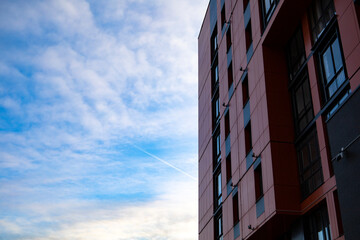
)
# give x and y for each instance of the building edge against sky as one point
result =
(279, 132)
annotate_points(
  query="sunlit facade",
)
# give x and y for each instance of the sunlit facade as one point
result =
(279, 120)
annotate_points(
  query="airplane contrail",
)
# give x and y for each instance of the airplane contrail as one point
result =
(165, 162)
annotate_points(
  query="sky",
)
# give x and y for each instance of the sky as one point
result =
(98, 119)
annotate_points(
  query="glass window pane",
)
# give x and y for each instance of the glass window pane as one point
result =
(332, 89)
(299, 100)
(340, 78)
(337, 55)
(267, 6)
(328, 65)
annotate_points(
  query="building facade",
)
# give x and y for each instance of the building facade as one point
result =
(279, 120)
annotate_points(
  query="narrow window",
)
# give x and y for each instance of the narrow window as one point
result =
(248, 140)
(228, 168)
(223, 17)
(235, 209)
(217, 148)
(218, 227)
(248, 36)
(230, 76)
(216, 109)
(227, 124)
(218, 192)
(245, 91)
(228, 39)
(258, 183)
(214, 43)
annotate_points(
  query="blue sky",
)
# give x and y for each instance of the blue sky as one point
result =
(98, 126)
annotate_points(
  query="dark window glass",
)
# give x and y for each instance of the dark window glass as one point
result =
(258, 183)
(215, 75)
(320, 13)
(217, 149)
(235, 209)
(228, 168)
(268, 7)
(230, 76)
(245, 91)
(310, 170)
(218, 193)
(214, 43)
(248, 140)
(227, 124)
(332, 68)
(216, 109)
(317, 225)
(223, 17)
(295, 53)
(228, 39)
(248, 35)
(218, 227)
(302, 103)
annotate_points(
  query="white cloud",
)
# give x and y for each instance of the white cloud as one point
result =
(86, 80)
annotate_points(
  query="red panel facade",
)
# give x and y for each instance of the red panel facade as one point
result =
(282, 174)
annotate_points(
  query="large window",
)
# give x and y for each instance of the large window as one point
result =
(295, 53)
(316, 224)
(268, 7)
(332, 67)
(302, 103)
(321, 12)
(310, 170)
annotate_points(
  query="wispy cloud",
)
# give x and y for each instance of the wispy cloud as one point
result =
(80, 81)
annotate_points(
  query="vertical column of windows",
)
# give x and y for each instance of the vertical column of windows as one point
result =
(216, 115)
(308, 153)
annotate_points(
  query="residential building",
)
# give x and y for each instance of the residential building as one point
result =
(279, 120)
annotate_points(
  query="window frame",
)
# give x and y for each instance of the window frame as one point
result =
(305, 180)
(266, 15)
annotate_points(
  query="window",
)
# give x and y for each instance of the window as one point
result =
(248, 140)
(310, 170)
(302, 103)
(216, 109)
(228, 39)
(228, 168)
(245, 91)
(214, 43)
(258, 183)
(248, 40)
(218, 227)
(230, 76)
(217, 149)
(227, 124)
(320, 13)
(235, 209)
(223, 17)
(268, 7)
(332, 67)
(218, 192)
(299, 82)
(317, 224)
(215, 75)
(295, 53)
